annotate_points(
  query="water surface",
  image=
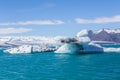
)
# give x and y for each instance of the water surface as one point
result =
(51, 66)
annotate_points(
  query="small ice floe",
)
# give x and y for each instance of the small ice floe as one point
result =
(20, 49)
(29, 49)
(112, 50)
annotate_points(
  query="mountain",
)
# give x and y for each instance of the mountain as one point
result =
(105, 35)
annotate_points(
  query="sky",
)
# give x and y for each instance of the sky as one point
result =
(57, 17)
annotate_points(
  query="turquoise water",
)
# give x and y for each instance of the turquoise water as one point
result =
(111, 45)
(51, 66)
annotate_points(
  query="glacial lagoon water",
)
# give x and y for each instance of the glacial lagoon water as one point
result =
(51, 66)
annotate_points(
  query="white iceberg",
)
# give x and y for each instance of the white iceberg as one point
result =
(82, 37)
(19, 50)
(111, 49)
(69, 48)
(84, 45)
(29, 49)
(80, 43)
(76, 47)
(82, 33)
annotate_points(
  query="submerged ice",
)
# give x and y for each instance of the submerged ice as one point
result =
(81, 43)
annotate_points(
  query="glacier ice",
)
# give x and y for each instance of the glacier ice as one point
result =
(111, 49)
(69, 48)
(61, 44)
(77, 47)
(29, 49)
(82, 36)
(81, 45)
(85, 45)
(18, 50)
(82, 33)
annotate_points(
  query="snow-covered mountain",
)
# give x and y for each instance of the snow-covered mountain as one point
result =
(105, 35)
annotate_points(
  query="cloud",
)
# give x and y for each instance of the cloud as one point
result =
(99, 20)
(35, 22)
(14, 30)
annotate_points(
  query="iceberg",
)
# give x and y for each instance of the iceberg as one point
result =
(39, 48)
(82, 33)
(60, 44)
(29, 49)
(69, 48)
(81, 44)
(79, 48)
(19, 50)
(112, 50)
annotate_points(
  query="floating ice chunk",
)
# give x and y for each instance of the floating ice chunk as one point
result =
(79, 48)
(20, 49)
(43, 48)
(111, 49)
(29, 49)
(69, 48)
